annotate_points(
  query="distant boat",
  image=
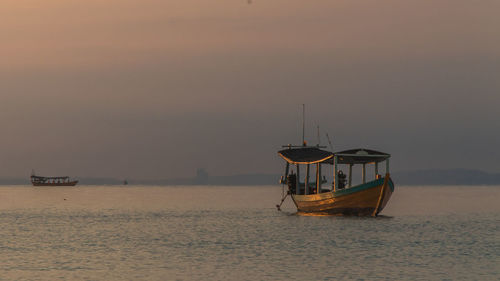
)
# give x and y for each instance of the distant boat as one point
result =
(52, 181)
(366, 199)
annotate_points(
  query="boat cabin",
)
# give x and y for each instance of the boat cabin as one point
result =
(304, 183)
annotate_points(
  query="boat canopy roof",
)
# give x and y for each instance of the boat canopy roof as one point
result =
(305, 155)
(360, 156)
(313, 155)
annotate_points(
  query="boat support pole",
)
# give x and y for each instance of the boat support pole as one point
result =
(350, 175)
(297, 182)
(363, 174)
(285, 180)
(318, 178)
(335, 176)
(287, 169)
(306, 180)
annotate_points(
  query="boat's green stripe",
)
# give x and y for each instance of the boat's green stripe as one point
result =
(360, 187)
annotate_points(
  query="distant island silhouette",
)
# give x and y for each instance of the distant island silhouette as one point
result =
(413, 177)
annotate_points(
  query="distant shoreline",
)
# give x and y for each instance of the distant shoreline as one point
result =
(416, 177)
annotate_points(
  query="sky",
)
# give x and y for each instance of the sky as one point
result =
(151, 89)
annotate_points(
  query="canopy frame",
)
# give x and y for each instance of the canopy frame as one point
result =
(307, 155)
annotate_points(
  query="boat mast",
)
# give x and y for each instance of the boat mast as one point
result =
(303, 124)
(319, 139)
(329, 141)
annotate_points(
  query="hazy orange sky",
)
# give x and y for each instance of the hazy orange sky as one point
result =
(155, 89)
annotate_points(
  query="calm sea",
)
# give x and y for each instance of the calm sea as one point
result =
(235, 233)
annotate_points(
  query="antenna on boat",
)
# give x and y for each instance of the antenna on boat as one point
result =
(303, 124)
(319, 139)
(329, 141)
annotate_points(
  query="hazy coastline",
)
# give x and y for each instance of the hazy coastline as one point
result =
(416, 177)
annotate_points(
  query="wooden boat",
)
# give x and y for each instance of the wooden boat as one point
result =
(310, 197)
(52, 181)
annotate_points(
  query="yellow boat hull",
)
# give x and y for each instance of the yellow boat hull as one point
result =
(367, 199)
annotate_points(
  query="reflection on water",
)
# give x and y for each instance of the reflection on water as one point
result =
(235, 233)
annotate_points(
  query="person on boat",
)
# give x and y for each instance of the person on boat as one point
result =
(342, 179)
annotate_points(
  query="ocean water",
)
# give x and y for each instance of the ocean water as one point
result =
(236, 233)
